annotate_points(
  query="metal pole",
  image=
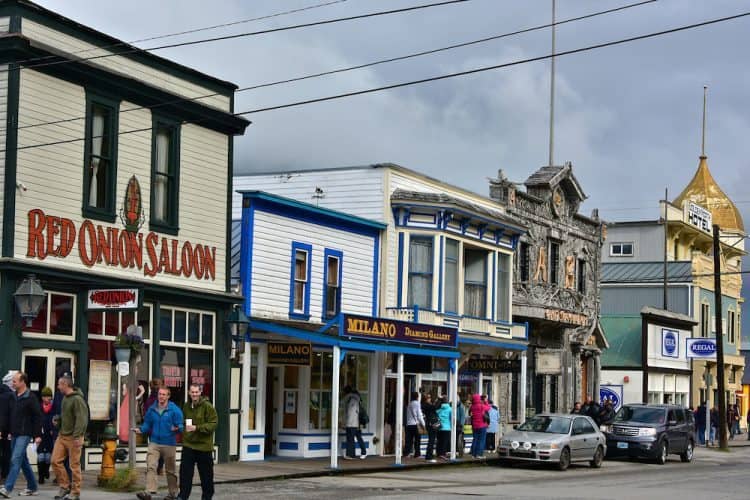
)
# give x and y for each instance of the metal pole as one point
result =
(132, 380)
(666, 230)
(453, 388)
(335, 407)
(522, 386)
(399, 406)
(719, 341)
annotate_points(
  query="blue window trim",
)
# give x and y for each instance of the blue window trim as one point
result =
(340, 256)
(431, 273)
(400, 286)
(493, 302)
(375, 275)
(305, 315)
(246, 252)
(441, 244)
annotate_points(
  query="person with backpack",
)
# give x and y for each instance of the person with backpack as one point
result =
(352, 403)
(432, 426)
(74, 418)
(480, 419)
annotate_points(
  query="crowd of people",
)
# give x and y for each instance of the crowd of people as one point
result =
(602, 413)
(55, 428)
(711, 423)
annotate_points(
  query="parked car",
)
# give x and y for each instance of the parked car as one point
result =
(652, 432)
(554, 438)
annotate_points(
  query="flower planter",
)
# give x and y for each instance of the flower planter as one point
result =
(122, 354)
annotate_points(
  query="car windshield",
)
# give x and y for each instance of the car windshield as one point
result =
(638, 414)
(551, 425)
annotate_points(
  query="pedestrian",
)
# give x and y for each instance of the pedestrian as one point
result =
(163, 421)
(25, 427)
(747, 421)
(700, 423)
(414, 420)
(733, 420)
(6, 393)
(592, 409)
(150, 401)
(607, 413)
(444, 413)
(432, 425)
(351, 404)
(74, 419)
(492, 427)
(44, 451)
(198, 444)
(460, 422)
(576, 408)
(714, 422)
(480, 418)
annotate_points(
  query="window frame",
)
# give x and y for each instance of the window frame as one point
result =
(108, 213)
(581, 276)
(454, 262)
(621, 253)
(731, 332)
(705, 320)
(508, 273)
(484, 314)
(303, 313)
(524, 262)
(554, 262)
(339, 256)
(430, 273)
(47, 334)
(171, 223)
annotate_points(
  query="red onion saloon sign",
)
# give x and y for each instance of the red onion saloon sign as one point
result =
(51, 236)
(118, 298)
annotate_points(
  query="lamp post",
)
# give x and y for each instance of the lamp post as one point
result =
(238, 323)
(29, 297)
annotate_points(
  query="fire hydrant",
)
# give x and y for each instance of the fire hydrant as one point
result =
(109, 444)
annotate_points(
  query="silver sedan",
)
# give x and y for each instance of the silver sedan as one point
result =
(555, 438)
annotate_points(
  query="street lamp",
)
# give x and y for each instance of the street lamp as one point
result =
(237, 322)
(29, 297)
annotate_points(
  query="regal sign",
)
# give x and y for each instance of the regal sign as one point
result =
(113, 299)
(494, 365)
(701, 348)
(282, 353)
(97, 244)
(398, 331)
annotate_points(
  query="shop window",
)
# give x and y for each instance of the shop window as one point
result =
(165, 174)
(186, 354)
(332, 280)
(451, 276)
(705, 320)
(475, 283)
(100, 157)
(420, 272)
(56, 318)
(654, 398)
(321, 377)
(503, 287)
(355, 372)
(253, 400)
(299, 300)
(290, 403)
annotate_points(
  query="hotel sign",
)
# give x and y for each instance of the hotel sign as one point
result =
(389, 330)
(698, 216)
(283, 353)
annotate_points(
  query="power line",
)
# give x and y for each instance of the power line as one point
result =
(246, 34)
(432, 79)
(187, 32)
(361, 66)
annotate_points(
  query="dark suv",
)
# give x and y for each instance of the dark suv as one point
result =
(651, 431)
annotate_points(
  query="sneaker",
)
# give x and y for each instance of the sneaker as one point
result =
(4, 493)
(432, 461)
(363, 456)
(62, 493)
(28, 493)
(346, 457)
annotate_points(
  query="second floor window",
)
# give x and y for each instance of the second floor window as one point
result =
(420, 272)
(100, 154)
(451, 276)
(503, 287)
(332, 280)
(621, 250)
(554, 262)
(475, 283)
(581, 278)
(299, 302)
(705, 320)
(164, 177)
(731, 323)
(523, 262)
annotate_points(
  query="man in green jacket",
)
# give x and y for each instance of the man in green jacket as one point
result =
(74, 419)
(198, 444)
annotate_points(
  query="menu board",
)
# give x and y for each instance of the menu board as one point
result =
(100, 382)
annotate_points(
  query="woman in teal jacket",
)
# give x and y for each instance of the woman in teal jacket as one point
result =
(444, 435)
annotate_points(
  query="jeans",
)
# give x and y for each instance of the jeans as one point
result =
(431, 437)
(353, 433)
(479, 439)
(712, 435)
(19, 462)
(413, 439)
(205, 462)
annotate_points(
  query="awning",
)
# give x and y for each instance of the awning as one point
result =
(486, 340)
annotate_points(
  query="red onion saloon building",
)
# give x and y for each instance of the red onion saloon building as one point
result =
(115, 190)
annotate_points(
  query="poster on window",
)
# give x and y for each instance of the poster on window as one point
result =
(290, 402)
(100, 383)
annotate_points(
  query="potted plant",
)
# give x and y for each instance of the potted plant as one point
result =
(127, 345)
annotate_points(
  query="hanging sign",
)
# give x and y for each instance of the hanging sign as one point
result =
(369, 328)
(670, 343)
(282, 353)
(701, 348)
(112, 299)
(494, 365)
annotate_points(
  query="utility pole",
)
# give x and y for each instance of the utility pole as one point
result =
(666, 236)
(552, 93)
(719, 341)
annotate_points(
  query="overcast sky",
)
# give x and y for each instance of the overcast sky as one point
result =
(628, 117)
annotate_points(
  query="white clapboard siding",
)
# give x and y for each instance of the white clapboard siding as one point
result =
(122, 65)
(54, 175)
(3, 121)
(273, 235)
(355, 191)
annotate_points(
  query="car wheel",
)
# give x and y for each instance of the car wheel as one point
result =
(661, 456)
(687, 456)
(596, 462)
(564, 462)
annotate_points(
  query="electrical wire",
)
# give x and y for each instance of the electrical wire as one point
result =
(361, 66)
(436, 78)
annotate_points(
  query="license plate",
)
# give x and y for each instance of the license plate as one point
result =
(622, 445)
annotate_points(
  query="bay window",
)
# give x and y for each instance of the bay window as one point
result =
(475, 283)
(503, 286)
(451, 276)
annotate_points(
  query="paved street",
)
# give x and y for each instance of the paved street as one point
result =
(713, 474)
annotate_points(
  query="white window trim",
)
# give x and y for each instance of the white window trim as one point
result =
(622, 253)
(49, 336)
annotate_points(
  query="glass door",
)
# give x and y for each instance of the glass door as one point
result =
(45, 366)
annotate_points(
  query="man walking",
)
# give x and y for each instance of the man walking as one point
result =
(74, 418)
(198, 444)
(162, 421)
(351, 404)
(25, 425)
(6, 394)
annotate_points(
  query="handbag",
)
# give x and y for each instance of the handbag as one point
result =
(486, 417)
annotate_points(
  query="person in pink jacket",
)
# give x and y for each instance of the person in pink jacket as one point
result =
(479, 413)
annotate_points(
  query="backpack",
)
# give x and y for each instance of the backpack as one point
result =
(364, 418)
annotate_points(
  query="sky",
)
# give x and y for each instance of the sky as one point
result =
(628, 117)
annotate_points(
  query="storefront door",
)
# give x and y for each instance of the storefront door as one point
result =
(45, 366)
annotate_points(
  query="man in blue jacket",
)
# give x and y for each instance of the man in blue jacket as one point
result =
(163, 421)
